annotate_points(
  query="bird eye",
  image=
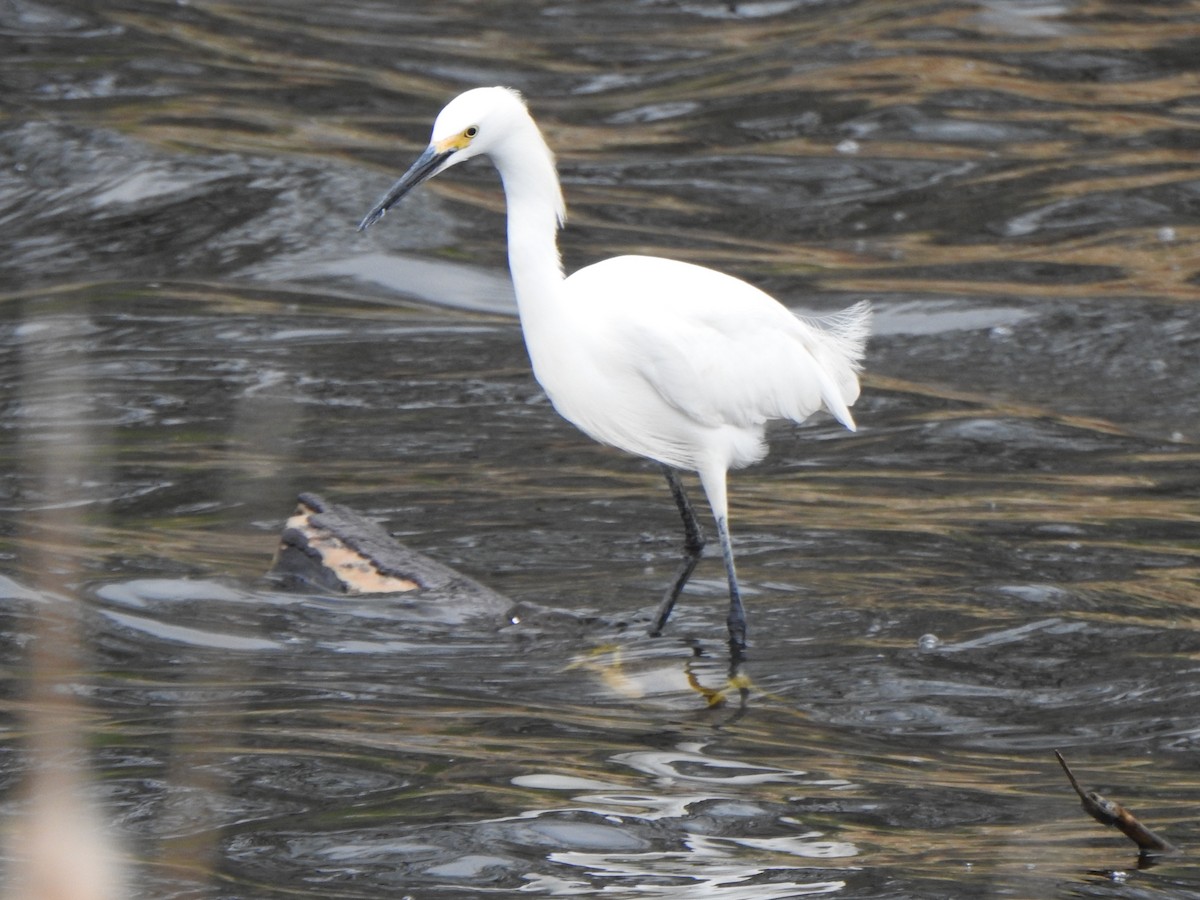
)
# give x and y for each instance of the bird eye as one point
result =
(472, 131)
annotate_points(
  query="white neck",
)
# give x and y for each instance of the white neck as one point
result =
(535, 212)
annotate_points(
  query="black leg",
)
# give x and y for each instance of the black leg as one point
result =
(693, 546)
(737, 614)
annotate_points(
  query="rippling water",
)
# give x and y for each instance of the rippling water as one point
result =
(1001, 562)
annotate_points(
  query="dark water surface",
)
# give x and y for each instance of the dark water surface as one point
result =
(1003, 560)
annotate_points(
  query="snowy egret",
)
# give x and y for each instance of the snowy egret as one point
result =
(664, 359)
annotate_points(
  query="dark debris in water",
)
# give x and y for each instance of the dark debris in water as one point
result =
(1107, 812)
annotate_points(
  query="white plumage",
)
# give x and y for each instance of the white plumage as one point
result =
(667, 360)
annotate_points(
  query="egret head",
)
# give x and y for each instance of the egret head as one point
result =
(473, 123)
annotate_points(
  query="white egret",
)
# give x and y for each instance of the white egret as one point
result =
(666, 360)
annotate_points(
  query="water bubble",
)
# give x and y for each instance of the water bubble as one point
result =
(1166, 234)
(849, 145)
(928, 642)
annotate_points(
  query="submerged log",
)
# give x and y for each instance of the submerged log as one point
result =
(332, 547)
(1108, 812)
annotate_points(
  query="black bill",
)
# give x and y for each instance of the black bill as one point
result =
(427, 165)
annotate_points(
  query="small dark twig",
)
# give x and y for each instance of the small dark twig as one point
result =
(1107, 812)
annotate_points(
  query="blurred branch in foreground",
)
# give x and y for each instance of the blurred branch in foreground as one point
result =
(60, 846)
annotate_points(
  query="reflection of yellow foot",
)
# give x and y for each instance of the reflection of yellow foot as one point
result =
(611, 663)
(712, 696)
(608, 661)
(741, 683)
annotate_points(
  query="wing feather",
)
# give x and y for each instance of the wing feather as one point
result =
(721, 351)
